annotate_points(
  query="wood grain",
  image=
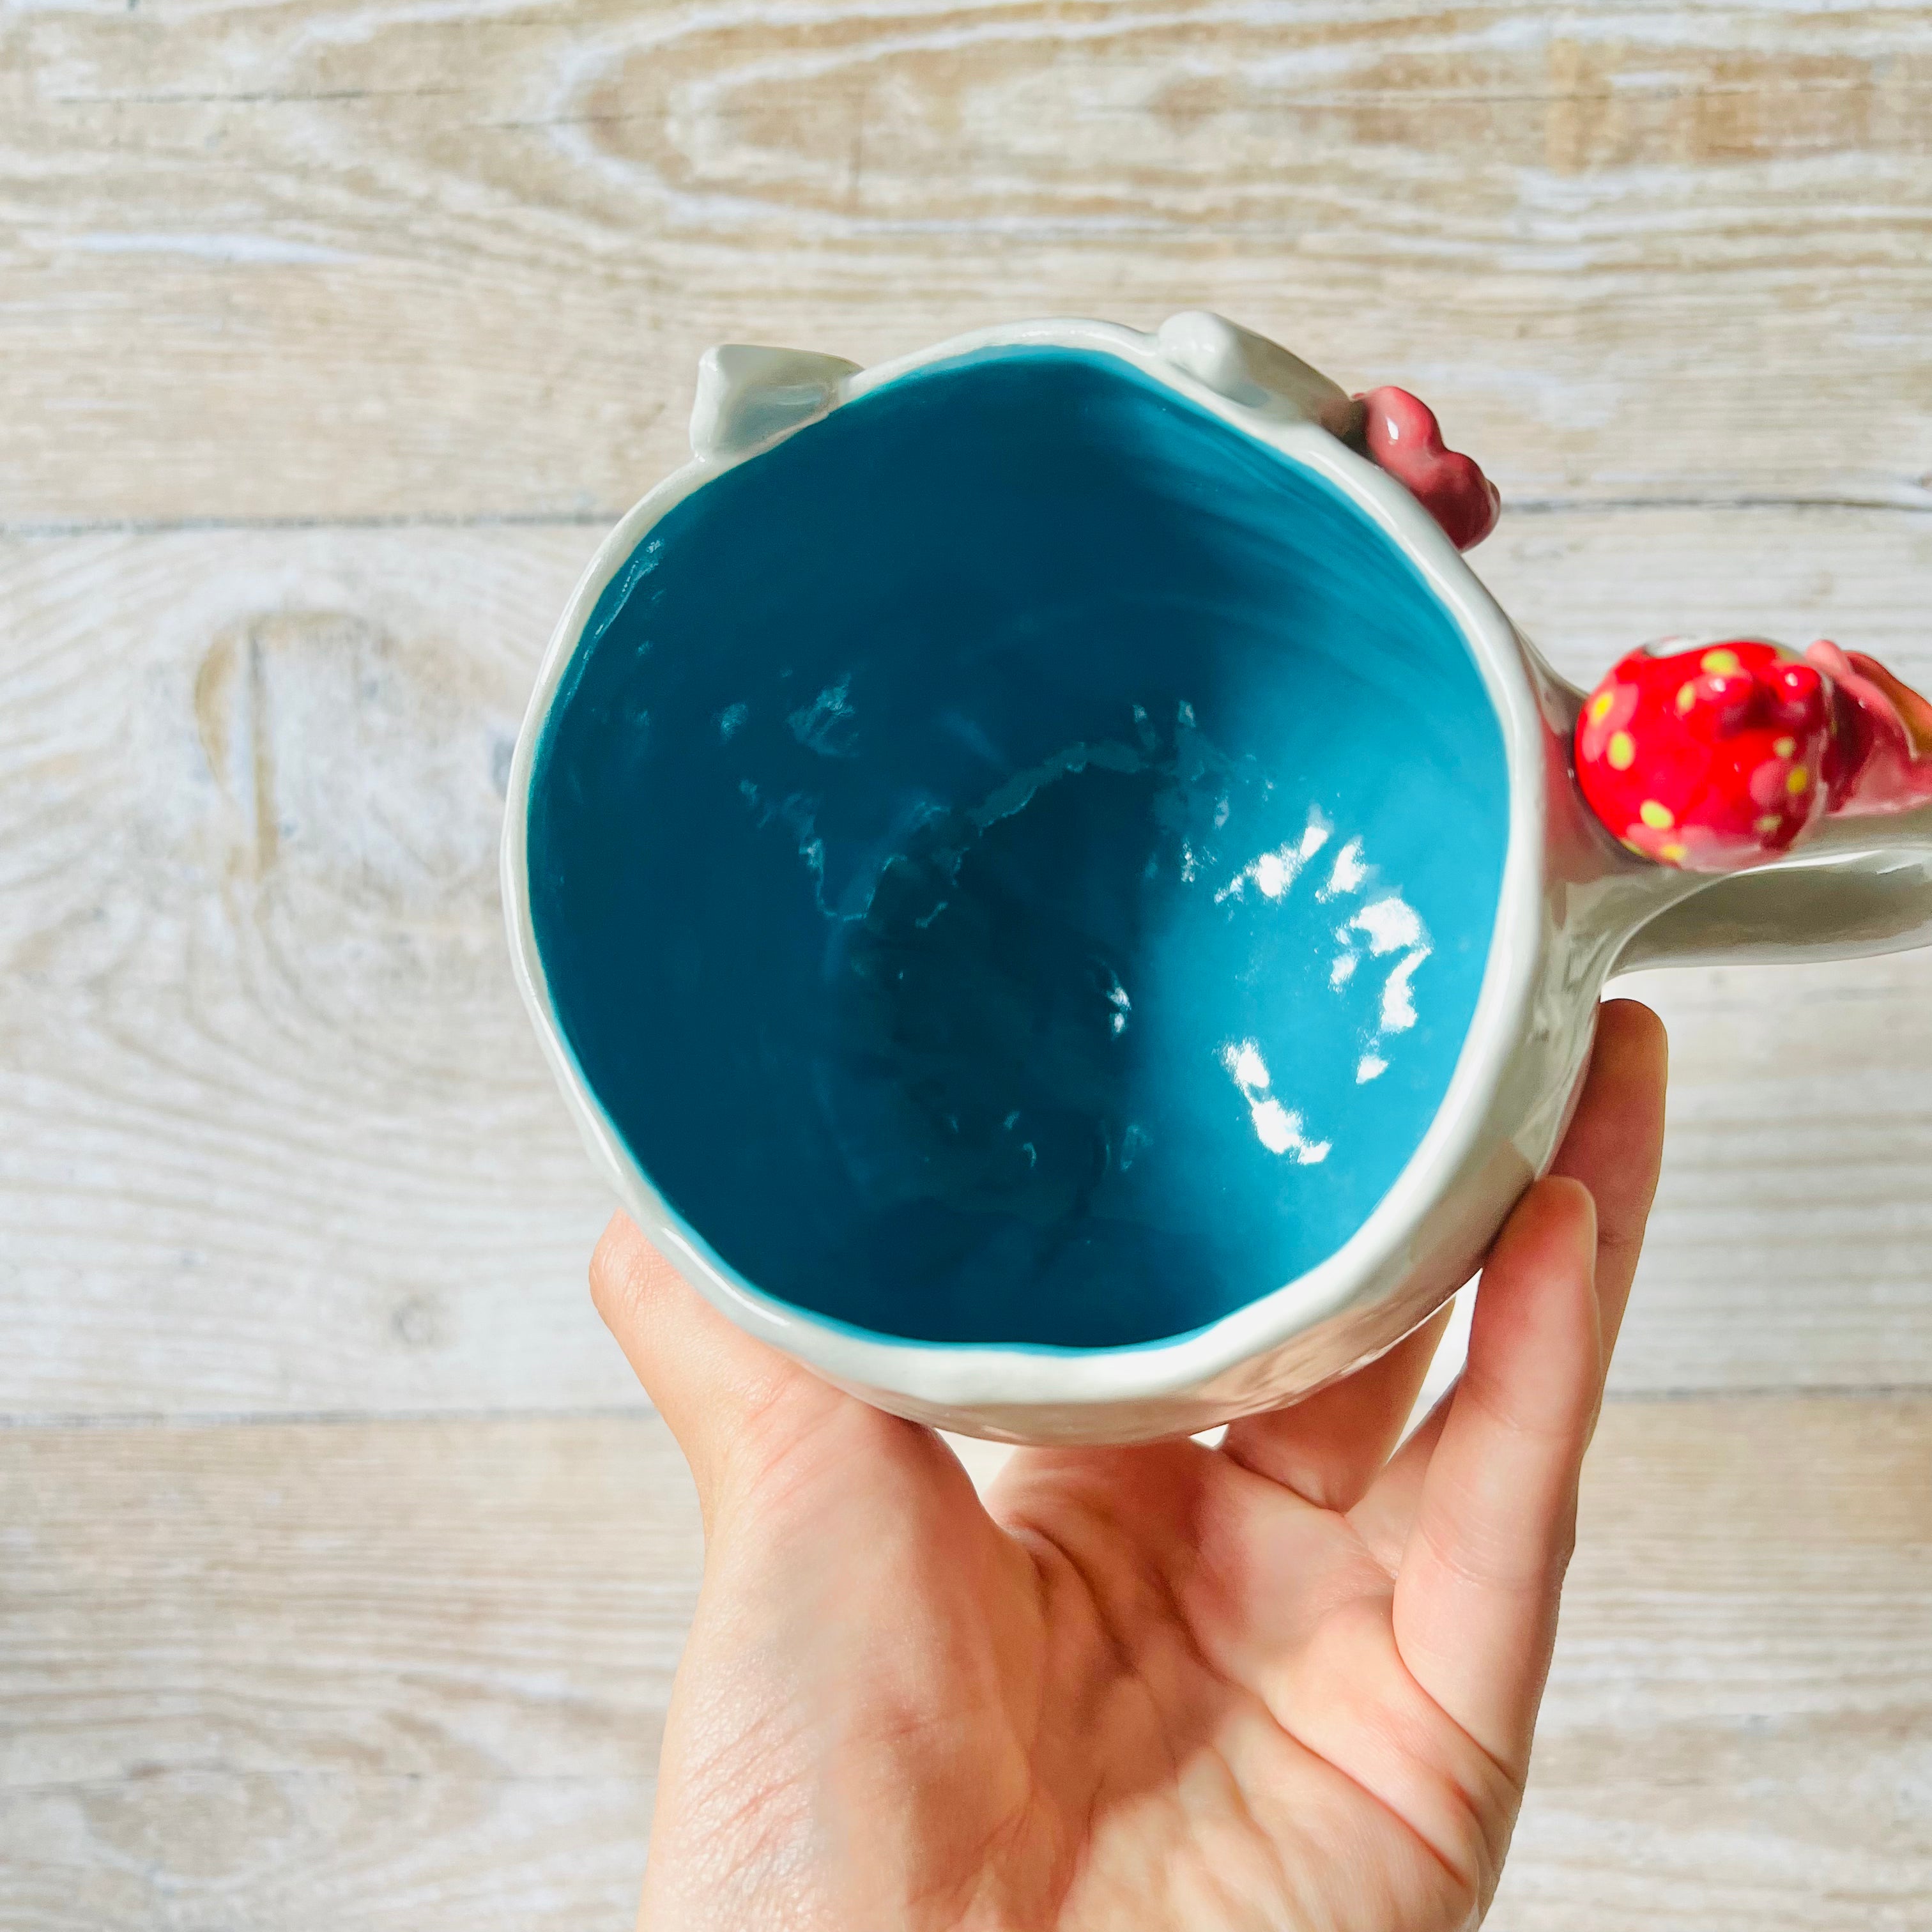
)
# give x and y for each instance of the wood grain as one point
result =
(275, 1137)
(1739, 1730)
(329, 259)
(411, 1674)
(277, 1133)
(407, 1675)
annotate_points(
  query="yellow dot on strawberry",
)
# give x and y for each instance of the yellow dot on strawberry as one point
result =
(1672, 854)
(1687, 695)
(1656, 816)
(1599, 705)
(1798, 779)
(1770, 822)
(1621, 751)
(1720, 664)
(1784, 747)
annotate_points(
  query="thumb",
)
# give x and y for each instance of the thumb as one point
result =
(734, 1404)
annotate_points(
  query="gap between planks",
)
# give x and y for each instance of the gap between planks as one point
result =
(80, 1420)
(29, 531)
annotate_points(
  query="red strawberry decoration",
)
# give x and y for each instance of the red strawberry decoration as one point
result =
(1718, 757)
(1401, 436)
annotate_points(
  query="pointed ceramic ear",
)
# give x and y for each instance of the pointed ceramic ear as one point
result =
(1261, 375)
(1395, 430)
(747, 395)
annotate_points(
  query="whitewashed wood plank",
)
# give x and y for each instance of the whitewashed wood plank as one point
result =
(341, 1852)
(328, 257)
(487, 1600)
(276, 1134)
(411, 1674)
(1788, 1248)
(1737, 1729)
(1588, 587)
(274, 1137)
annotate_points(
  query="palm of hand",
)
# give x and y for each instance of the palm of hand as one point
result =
(1286, 1683)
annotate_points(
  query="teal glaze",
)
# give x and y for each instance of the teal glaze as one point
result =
(1016, 859)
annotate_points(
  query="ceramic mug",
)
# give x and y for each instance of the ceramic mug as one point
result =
(1057, 898)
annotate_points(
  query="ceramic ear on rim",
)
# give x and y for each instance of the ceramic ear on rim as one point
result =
(1394, 430)
(1258, 374)
(747, 395)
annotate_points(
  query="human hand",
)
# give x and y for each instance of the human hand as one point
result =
(1289, 1683)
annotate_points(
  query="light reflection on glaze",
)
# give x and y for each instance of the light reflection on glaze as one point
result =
(1389, 924)
(1278, 1129)
(1386, 924)
(1272, 873)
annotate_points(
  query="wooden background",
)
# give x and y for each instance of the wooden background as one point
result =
(343, 1571)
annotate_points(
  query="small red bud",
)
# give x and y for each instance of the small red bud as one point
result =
(1728, 700)
(1799, 695)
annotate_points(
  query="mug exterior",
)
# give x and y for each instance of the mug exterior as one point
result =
(1568, 901)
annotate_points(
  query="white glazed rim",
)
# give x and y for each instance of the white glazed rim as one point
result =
(968, 1374)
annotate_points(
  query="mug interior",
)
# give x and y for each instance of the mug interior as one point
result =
(1016, 859)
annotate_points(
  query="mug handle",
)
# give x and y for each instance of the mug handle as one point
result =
(1798, 790)
(1821, 904)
